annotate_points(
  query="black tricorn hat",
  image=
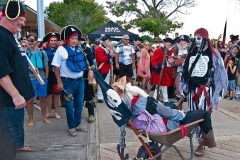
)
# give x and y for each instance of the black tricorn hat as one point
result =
(235, 37)
(105, 38)
(68, 31)
(170, 40)
(13, 9)
(81, 39)
(183, 38)
(50, 34)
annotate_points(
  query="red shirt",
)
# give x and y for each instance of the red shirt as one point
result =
(102, 57)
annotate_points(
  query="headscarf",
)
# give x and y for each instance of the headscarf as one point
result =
(204, 33)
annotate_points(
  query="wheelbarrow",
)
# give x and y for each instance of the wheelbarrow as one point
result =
(160, 143)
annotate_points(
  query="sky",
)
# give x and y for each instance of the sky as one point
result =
(210, 14)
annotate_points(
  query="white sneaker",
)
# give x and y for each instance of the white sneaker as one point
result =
(72, 132)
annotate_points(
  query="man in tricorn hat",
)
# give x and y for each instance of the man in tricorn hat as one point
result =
(204, 77)
(180, 53)
(69, 63)
(15, 84)
(53, 94)
(235, 40)
(88, 89)
(158, 62)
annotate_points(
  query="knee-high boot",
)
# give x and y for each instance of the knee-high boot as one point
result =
(208, 140)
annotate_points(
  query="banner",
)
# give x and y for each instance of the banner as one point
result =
(119, 111)
(224, 35)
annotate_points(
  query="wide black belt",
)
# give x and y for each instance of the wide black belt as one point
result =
(72, 79)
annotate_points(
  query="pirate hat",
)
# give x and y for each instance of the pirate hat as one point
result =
(120, 85)
(105, 38)
(234, 37)
(13, 9)
(70, 31)
(82, 39)
(50, 35)
(183, 38)
(170, 40)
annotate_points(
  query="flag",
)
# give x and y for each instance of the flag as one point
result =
(224, 35)
(118, 109)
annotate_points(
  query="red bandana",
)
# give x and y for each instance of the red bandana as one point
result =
(204, 33)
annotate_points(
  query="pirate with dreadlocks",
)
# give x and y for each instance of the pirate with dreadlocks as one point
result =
(204, 77)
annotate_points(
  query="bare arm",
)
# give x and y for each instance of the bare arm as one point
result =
(8, 86)
(233, 69)
(59, 80)
(47, 70)
(116, 60)
(133, 59)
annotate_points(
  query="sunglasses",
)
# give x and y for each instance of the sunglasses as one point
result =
(31, 40)
(24, 46)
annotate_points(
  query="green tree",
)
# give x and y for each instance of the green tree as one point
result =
(147, 38)
(155, 16)
(85, 14)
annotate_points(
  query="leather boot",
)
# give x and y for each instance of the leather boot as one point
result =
(199, 152)
(208, 140)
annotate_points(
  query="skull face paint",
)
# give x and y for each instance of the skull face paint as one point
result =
(199, 40)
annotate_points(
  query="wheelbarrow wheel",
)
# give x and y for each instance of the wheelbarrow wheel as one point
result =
(154, 148)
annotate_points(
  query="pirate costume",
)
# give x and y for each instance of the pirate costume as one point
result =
(180, 53)
(137, 100)
(12, 65)
(166, 78)
(88, 90)
(204, 77)
(72, 63)
(52, 81)
(103, 60)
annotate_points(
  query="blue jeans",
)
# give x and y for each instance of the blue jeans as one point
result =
(14, 120)
(74, 106)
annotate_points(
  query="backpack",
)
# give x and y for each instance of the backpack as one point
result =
(149, 123)
(29, 54)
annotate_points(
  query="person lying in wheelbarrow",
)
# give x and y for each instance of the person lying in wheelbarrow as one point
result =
(137, 99)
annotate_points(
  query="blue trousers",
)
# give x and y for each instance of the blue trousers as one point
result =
(74, 106)
(13, 120)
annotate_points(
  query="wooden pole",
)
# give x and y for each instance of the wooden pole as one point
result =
(39, 78)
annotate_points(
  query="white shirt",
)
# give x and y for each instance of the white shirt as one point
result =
(181, 52)
(59, 60)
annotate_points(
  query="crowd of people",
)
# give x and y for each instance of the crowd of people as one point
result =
(184, 67)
